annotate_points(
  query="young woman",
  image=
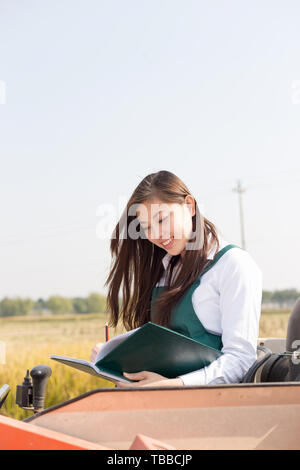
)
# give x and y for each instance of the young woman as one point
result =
(177, 271)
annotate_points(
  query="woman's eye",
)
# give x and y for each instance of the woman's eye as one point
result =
(161, 220)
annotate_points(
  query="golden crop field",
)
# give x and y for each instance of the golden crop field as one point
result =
(30, 341)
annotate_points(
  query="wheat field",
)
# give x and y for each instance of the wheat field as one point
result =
(30, 341)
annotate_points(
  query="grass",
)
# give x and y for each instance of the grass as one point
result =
(30, 341)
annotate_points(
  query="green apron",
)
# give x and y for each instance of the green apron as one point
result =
(184, 319)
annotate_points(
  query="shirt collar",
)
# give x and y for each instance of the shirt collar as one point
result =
(166, 260)
(222, 242)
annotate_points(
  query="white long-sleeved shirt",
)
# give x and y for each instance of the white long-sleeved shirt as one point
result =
(228, 303)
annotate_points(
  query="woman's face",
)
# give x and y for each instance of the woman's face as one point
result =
(167, 225)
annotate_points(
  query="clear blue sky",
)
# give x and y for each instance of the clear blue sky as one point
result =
(101, 93)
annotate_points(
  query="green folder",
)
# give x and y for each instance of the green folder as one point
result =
(153, 348)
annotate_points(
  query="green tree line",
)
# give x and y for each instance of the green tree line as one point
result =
(94, 303)
(280, 296)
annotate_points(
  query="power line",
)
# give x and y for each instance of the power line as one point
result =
(278, 183)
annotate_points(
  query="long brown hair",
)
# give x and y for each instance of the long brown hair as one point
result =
(137, 263)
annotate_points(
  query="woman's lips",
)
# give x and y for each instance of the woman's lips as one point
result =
(169, 246)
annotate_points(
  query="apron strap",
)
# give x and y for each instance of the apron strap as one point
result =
(218, 256)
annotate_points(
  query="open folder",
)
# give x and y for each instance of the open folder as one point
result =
(152, 348)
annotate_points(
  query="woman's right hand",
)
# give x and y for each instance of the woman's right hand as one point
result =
(95, 351)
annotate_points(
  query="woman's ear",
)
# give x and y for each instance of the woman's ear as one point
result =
(190, 202)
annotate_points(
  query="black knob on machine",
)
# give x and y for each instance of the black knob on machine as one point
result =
(40, 375)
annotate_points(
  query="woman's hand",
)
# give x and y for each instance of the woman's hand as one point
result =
(149, 379)
(95, 351)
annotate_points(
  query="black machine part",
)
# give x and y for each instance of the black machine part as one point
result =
(24, 393)
(31, 394)
(40, 376)
(250, 375)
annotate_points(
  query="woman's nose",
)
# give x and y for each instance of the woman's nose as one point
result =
(157, 233)
(165, 232)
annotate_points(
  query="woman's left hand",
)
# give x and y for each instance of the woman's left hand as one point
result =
(149, 379)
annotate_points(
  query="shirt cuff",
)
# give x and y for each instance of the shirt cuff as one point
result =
(197, 377)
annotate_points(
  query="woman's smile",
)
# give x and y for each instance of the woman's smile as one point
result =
(168, 244)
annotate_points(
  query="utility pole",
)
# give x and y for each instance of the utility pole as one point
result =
(239, 189)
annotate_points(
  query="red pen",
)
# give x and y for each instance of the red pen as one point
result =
(106, 331)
